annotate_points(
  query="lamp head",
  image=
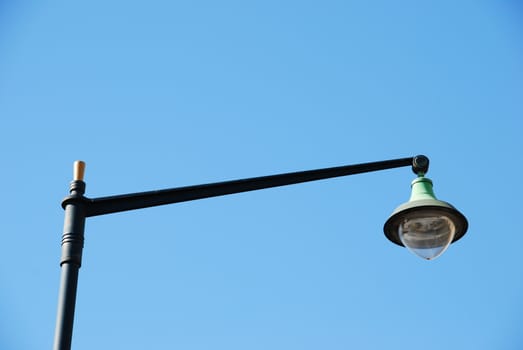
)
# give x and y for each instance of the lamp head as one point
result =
(425, 225)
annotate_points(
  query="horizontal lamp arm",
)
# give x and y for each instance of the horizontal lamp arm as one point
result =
(132, 201)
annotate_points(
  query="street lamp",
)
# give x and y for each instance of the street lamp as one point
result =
(425, 225)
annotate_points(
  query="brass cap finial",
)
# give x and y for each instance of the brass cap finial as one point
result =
(79, 170)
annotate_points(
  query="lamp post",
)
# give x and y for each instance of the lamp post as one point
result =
(424, 225)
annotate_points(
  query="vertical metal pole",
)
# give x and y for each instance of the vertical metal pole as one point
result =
(71, 260)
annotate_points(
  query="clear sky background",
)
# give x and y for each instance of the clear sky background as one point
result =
(163, 94)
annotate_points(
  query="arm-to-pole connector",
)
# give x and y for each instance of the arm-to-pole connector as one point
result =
(420, 165)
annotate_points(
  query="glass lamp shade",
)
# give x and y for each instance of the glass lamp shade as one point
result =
(427, 232)
(425, 225)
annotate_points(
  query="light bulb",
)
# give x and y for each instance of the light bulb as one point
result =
(427, 234)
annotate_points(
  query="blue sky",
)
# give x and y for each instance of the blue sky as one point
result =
(165, 94)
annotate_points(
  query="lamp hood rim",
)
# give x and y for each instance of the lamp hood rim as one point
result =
(391, 226)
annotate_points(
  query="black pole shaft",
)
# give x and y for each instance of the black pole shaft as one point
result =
(71, 260)
(66, 307)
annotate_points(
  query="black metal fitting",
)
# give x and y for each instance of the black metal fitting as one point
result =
(76, 193)
(73, 235)
(420, 165)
